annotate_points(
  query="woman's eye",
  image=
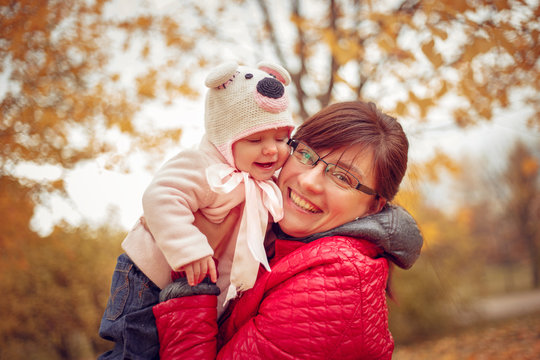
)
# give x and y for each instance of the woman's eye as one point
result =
(305, 156)
(342, 177)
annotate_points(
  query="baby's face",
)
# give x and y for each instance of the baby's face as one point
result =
(262, 153)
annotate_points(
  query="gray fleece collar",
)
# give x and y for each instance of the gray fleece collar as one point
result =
(393, 229)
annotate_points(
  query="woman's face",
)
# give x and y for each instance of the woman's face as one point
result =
(313, 203)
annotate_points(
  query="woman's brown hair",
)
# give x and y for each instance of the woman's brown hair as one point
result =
(356, 122)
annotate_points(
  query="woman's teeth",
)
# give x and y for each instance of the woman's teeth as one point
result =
(298, 201)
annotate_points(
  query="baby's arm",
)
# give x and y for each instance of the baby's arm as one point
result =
(178, 190)
(198, 269)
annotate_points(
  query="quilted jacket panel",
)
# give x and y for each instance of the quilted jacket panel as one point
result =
(322, 300)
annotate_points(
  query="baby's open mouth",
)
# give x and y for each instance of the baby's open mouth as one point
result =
(302, 203)
(267, 165)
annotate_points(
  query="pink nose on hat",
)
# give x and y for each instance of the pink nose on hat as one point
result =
(269, 95)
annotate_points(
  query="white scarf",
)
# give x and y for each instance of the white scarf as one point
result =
(261, 197)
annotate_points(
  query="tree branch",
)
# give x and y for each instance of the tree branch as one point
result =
(326, 96)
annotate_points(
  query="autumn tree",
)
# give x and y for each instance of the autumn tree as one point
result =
(66, 96)
(79, 73)
(523, 204)
(502, 198)
(431, 296)
(61, 103)
(55, 293)
(411, 54)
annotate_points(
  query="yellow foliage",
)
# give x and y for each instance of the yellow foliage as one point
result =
(529, 166)
(429, 50)
(465, 216)
(477, 46)
(500, 37)
(431, 232)
(501, 4)
(424, 104)
(70, 269)
(401, 108)
(145, 52)
(343, 49)
(17, 208)
(443, 90)
(438, 32)
(462, 117)
(146, 84)
(410, 199)
(386, 42)
(144, 22)
(437, 166)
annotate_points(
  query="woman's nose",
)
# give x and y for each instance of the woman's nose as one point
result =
(311, 179)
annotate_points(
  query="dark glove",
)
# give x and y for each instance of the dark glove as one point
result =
(181, 288)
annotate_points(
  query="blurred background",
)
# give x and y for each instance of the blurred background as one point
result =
(96, 94)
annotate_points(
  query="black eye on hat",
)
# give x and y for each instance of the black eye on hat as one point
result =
(249, 76)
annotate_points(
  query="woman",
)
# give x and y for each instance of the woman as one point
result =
(325, 296)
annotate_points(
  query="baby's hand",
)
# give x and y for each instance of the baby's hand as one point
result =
(198, 269)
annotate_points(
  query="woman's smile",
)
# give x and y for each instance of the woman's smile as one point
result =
(303, 203)
(313, 203)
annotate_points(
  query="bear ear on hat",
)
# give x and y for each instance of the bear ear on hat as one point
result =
(276, 70)
(221, 74)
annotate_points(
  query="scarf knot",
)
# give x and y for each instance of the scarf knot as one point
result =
(261, 197)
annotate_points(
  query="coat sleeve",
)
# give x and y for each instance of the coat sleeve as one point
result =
(187, 327)
(178, 190)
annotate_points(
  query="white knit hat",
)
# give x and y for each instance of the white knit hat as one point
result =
(244, 100)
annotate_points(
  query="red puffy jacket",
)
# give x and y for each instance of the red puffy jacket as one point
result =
(322, 300)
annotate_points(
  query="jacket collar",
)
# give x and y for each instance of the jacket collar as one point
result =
(393, 230)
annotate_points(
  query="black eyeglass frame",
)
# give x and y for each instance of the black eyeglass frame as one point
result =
(361, 187)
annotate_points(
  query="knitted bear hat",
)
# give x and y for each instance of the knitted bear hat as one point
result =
(244, 100)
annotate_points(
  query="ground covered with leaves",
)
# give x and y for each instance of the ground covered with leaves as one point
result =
(503, 340)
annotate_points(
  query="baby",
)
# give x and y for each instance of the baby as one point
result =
(247, 123)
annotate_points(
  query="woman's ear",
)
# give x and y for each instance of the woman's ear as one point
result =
(378, 204)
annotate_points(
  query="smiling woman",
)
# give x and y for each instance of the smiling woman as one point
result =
(325, 294)
(355, 136)
(325, 195)
(359, 125)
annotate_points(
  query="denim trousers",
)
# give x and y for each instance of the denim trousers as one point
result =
(128, 320)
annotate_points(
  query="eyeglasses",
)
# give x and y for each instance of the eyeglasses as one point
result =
(341, 177)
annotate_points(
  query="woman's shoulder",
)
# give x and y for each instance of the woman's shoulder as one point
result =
(340, 246)
(331, 287)
(333, 251)
(348, 246)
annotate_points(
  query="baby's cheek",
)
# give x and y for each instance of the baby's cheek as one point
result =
(283, 155)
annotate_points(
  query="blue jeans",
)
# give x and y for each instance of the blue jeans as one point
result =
(128, 320)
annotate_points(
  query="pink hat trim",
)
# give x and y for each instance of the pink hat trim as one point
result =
(273, 106)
